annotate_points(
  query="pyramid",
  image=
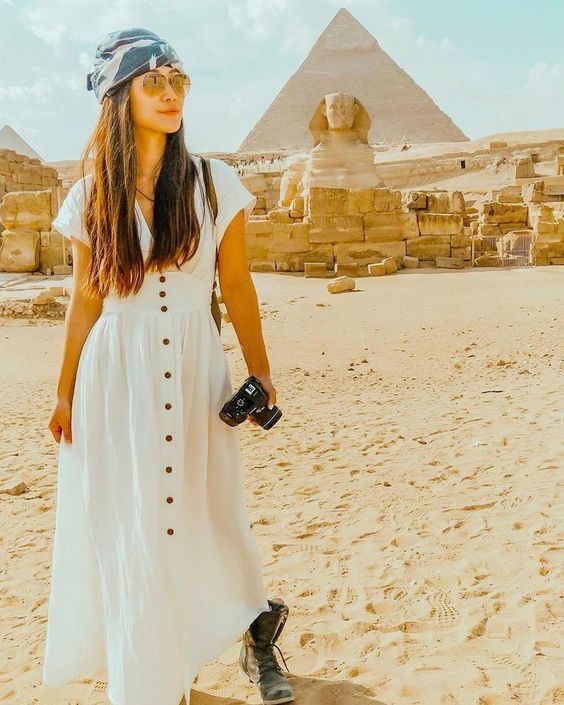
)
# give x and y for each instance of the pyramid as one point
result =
(346, 57)
(9, 139)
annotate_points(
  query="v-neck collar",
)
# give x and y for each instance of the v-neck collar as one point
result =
(141, 215)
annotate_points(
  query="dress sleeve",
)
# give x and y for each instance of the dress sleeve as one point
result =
(69, 220)
(232, 196)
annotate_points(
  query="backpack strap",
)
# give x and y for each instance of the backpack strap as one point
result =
(211, 196)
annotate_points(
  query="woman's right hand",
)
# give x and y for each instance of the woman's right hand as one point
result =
(60, 420)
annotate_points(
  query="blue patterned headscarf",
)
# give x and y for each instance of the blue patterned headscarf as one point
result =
(120, 56)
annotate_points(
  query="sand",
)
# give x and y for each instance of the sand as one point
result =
(408, 506)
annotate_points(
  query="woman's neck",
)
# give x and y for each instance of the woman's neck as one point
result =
(150, 147)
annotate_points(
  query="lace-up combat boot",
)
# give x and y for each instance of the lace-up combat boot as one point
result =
(257, 659)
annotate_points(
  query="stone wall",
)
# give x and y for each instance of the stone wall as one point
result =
(21, 173)
(29, 200)
(405, 171)
(360, 226)
(28, 244)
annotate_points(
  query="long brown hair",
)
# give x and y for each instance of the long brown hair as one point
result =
(109, 216)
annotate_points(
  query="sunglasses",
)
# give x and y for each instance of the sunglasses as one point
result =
(155, 83)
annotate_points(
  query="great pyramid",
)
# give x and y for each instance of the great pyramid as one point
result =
(346, 57)
(9, 139)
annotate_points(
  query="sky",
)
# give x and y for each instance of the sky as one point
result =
(491, 65)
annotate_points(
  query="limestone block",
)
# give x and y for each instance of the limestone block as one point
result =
(256, 249)
(533, 192)
(524, 167)
(62, 269)
(26, 210)
(256, 183)
(321, 253)
(508, 227)
(19, 250)
(461, 252)
(387, 200)
(365, 253)
(410, 262)
(263, 266)
(288, 262)
(439, 223)
(347, 269)
(340, 284)
(315, 269)
(546, 228)
(457, 202)
(438, 202)
(449, 262)
(287, 243)
(300, 229)
(360, 201)
(377, 269)
(488, 261)
(488, 230)
(504, 213)
(328, 201)
(428, 247)
(56, 290)
(390, 227)
(336, 229)
(390, 265)
(259, 227)
(417, 200)
(280, 215)
(462, 240)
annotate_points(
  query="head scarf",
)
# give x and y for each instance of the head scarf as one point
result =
(122, 55)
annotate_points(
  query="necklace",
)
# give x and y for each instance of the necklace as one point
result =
(144, 194)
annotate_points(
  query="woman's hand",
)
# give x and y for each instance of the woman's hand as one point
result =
(60, 420)
(269, 389)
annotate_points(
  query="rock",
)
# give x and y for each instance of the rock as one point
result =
(347, 269)
(315, 269)
(44, 297)
(410, 262)
(20, 488)
(417, 201)
(390, 265)
(263, 266)
(340, 284)
(377, 269)
(449, 262)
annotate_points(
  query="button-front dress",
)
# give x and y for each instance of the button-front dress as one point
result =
(155, 570)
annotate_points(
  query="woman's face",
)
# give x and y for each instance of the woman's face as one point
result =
(162, 112)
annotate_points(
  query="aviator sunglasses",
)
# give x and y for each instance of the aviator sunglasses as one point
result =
(155, 83)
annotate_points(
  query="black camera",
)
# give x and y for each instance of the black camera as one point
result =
(250, 400)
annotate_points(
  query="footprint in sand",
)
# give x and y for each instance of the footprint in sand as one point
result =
(443, 612)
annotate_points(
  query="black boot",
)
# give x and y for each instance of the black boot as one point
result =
(257, 659)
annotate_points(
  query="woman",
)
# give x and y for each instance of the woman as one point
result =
(155, 570)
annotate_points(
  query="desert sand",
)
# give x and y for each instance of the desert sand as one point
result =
(408, 506)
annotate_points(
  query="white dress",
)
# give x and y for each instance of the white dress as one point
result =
(155, 569)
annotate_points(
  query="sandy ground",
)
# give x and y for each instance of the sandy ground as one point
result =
(408, 506)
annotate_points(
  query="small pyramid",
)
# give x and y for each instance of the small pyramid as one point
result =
(9, 139)
(347, 58)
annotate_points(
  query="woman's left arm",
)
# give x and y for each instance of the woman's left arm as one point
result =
(240, 299)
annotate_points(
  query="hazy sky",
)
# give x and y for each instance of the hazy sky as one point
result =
(491, 65)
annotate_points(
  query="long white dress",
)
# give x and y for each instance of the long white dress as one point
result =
(155, 569)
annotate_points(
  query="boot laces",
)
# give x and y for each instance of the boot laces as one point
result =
(266, 658)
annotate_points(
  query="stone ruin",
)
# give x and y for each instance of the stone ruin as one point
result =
(30, 194)
(334, 216)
